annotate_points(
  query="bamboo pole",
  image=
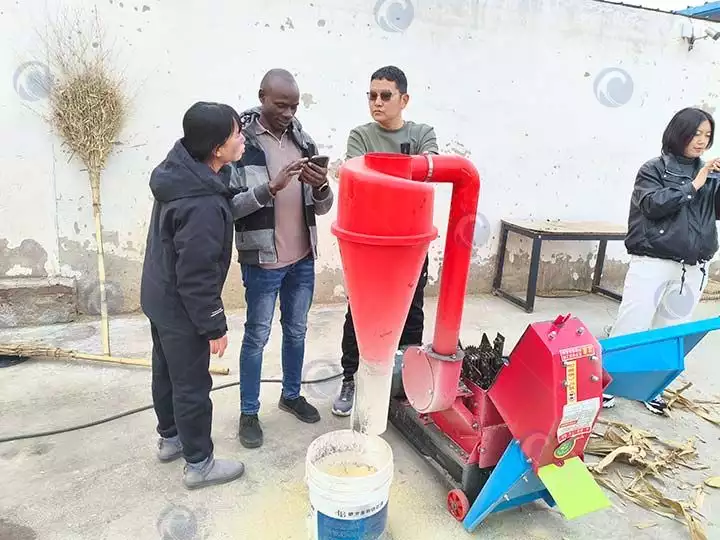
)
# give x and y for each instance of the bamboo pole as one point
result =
(32, 351)
(135, 362)
(104, 322)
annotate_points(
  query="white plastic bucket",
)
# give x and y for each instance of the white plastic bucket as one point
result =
(348, 476)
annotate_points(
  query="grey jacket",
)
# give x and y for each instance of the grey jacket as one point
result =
(252, 204)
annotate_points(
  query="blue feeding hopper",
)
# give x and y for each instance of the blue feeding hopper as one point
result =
(512, 484)
(644, 364)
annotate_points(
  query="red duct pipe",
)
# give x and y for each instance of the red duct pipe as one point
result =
(462, 174)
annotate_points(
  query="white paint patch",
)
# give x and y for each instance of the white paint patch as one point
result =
(68, 272)
(18, 270)
(339, 291)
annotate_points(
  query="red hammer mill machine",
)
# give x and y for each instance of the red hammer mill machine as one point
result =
(502, 430)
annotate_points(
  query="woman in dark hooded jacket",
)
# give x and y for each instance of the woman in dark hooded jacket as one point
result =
(672, 232)
(188, 253)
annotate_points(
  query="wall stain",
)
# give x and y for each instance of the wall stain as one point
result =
(111, 237)
(457, 148)
(707, 107)
(334, 168)
(29, 254)
(122, 276)
(15, 531)
(307, 100)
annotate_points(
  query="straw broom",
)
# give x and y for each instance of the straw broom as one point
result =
(87, 110)
(35, 351)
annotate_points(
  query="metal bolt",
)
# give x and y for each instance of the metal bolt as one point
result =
(483, 451)
(506, 497)
(453, 356)
(552, 335)
(580, 331)
(475, 425)
(594, 358)
(594, 378)
(565, 383)
(525, 479)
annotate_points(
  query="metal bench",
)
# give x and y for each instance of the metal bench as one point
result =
(539, 231)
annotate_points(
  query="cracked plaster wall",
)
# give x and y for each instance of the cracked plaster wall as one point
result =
(508, 84)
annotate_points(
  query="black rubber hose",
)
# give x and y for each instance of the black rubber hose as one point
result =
(141, 409)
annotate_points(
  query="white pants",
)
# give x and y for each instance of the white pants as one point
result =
(652, 296)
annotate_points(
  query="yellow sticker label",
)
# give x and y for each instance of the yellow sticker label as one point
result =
(571, 378)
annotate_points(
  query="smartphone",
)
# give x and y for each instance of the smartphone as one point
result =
(321, 161)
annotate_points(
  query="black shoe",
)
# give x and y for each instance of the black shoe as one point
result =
(608, 401)
(250, 432)
(300, 408)
(656, 406)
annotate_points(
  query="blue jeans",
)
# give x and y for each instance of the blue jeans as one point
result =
(295, 284)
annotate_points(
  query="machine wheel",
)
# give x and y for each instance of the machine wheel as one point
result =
(458, 504)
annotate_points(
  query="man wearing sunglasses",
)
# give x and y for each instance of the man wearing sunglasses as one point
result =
(389, 132)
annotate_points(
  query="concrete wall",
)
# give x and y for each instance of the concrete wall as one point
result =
(511, 84)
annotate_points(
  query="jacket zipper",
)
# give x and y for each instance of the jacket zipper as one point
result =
(695, 244)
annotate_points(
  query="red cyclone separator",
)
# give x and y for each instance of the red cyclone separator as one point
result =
(383, 240)
(384, 228)
(381, 270)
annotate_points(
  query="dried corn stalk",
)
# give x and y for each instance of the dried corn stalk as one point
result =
(653, 459)
(674, 398)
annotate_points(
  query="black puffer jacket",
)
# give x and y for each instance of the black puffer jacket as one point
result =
(669, 219)
(189, 246)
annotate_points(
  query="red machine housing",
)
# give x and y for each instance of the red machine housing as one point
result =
(550, 393)
(548, 396)
(475, 425)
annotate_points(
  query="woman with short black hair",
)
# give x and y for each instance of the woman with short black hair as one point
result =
(188, 253)
(671, 231)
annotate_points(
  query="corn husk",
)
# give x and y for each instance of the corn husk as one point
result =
(654, 461)
(675, 399)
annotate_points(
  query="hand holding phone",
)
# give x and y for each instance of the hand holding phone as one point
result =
(320, 161)
(286, 174)
(314, 172)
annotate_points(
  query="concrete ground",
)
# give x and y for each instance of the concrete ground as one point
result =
(104, 483)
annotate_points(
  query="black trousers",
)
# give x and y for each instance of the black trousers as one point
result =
(412, 333)
(181, 384)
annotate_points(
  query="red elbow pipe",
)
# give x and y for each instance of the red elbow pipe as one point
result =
(464, 177)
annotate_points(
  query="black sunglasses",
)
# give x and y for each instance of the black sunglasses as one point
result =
(385, 95)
